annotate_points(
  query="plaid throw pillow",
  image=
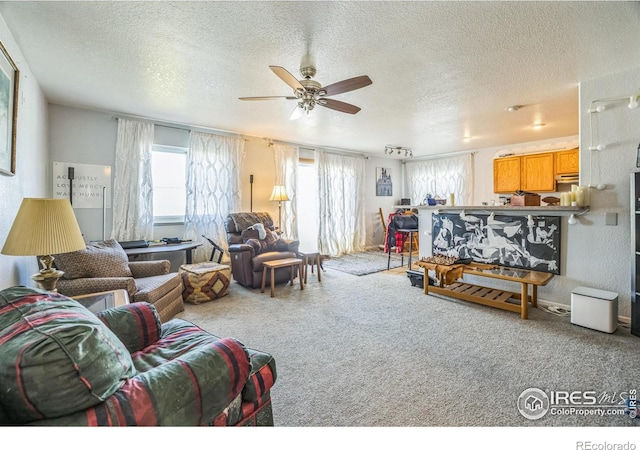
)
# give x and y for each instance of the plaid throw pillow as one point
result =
(98, 259)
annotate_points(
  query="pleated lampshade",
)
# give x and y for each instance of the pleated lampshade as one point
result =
(44, 226)
(279, 193)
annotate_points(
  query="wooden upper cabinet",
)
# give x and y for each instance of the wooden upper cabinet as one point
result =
(568, 162)
(538, 173)
(506, 175)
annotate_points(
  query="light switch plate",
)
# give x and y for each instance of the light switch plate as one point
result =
(610, 218)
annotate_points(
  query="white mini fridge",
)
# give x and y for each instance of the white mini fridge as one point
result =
(593, 308)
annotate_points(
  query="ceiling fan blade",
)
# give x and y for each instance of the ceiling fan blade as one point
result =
(297, 113)
(273, 97)
(339, 106)
(285, 76)
(347, 85)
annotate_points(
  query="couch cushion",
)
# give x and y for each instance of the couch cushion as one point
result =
(236, 222)
(57, 357)
(270, 256)
(150, 289)
(98, 259)
(262, 377)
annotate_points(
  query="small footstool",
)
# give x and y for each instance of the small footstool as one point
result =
(204, 281)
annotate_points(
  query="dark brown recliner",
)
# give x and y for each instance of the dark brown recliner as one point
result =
(246, 264)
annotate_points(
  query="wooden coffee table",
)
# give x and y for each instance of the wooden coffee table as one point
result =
(496, 298)
(273, 265)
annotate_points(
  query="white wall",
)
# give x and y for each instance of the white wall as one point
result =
(600, 255)
(373, 203)
(82, 136)
(32, 175)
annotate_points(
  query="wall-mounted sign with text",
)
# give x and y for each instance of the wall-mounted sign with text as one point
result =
(89, 184)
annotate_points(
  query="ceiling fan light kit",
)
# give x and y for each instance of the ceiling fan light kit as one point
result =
(309, 92)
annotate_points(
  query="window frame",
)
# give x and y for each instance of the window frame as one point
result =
(161, 148)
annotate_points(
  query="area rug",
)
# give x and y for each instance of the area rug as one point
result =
(363, 263)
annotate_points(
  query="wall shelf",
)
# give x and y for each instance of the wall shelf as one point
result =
(505, 209)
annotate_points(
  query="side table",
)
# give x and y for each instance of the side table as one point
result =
(99, 301)
(310, 257)
(273, 265)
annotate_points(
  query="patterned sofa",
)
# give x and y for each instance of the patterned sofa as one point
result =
(104, 266)
(62, 365)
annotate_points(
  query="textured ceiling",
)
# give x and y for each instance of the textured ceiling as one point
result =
(440, 70)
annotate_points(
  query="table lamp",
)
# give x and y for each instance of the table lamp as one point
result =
(45, 227)
(279, 194)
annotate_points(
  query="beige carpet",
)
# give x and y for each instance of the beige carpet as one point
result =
(374, 351)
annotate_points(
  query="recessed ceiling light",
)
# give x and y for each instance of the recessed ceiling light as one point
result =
(513, 108)
(466, 138)
(537, 126)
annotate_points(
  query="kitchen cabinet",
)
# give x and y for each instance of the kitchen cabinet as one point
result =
(538, 173)
(568, 162)
(535, 172)
(506, 175)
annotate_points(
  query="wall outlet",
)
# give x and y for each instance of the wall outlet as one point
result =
(610, 218)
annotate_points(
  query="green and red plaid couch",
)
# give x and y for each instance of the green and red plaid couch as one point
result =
(62, 365)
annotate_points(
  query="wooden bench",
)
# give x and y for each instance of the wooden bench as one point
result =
(273, 265)
(496, 298)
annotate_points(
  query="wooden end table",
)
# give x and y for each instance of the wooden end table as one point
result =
(100, 301)
(312, 257)
(278, 263)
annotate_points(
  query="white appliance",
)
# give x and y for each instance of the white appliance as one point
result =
(593, 308)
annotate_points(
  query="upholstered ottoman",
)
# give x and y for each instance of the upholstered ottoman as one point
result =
(204, 281)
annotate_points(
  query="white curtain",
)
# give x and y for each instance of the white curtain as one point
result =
(133, 188)
(441, 177)
(213, 188)
(341, 217)
(287, 157)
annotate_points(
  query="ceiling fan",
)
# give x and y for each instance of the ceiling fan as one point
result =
(310, 93)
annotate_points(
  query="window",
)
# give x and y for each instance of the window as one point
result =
(168, 169)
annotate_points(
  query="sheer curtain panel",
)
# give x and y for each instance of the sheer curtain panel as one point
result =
(287, 157)
(441, 177)
(341, 221)
(213, 188)
(133, 187)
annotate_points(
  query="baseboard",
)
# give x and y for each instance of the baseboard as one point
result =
(621, 319)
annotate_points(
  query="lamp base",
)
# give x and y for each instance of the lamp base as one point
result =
(47, 279)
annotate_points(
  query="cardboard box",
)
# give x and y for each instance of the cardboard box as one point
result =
(525, 200)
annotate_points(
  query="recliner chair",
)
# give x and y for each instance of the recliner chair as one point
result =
(246, 262)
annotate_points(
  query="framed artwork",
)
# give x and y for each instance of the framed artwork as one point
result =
(512, 241)
(9, 77)
(384, 186)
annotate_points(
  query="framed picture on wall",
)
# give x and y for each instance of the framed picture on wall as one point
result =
(9, 76)
(384, 186)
